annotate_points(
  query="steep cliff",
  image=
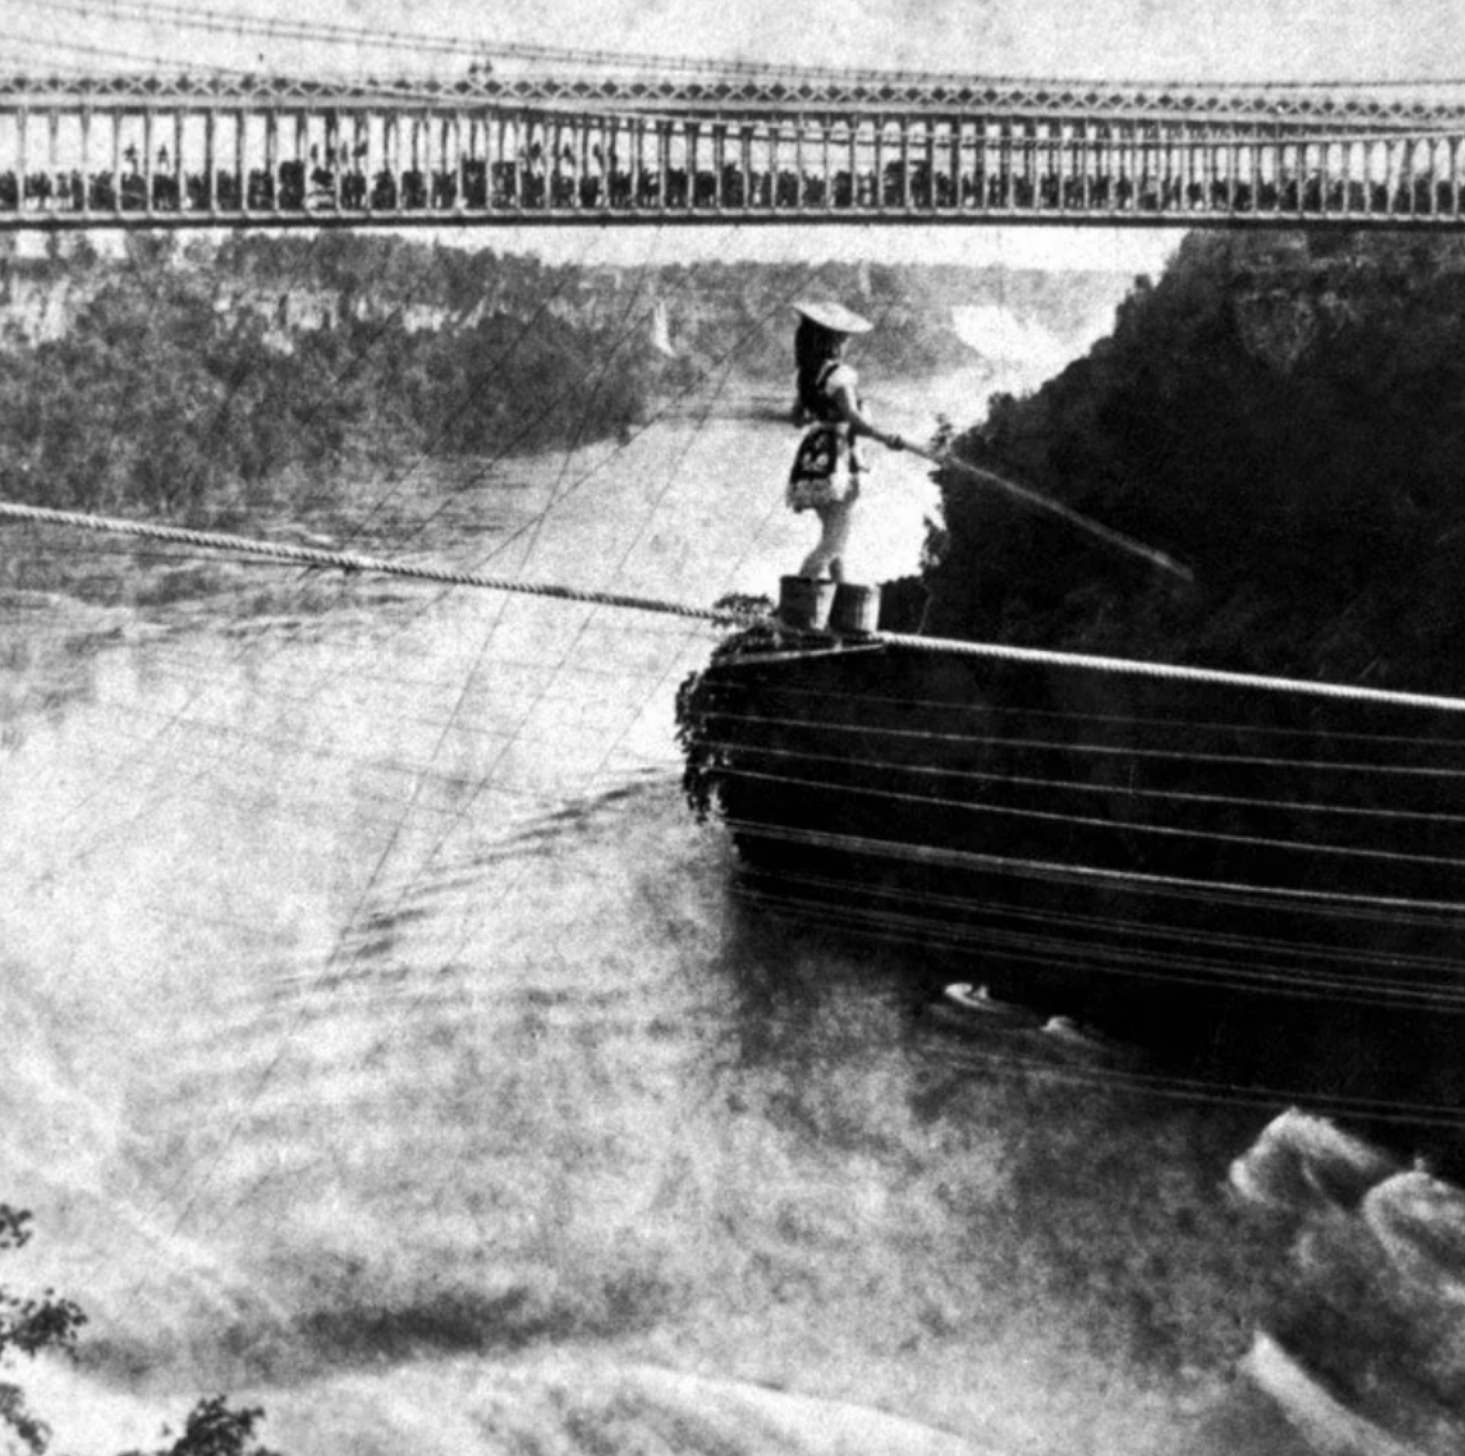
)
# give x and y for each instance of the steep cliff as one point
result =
(1287, 414)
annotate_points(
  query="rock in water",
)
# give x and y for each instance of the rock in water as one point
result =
(1420, 1223)
(1303, 1164)
(1314, 1412)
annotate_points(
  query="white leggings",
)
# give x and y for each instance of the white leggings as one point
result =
(826, 559)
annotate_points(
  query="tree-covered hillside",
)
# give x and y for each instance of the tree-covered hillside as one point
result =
(1285, 413)
(196, 377)
(184, 384)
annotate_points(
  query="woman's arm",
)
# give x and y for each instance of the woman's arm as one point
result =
(860, 423)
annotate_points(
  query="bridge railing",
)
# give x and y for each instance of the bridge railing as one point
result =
(186, 165)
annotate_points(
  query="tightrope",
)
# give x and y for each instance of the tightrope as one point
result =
(721, 616)
(350, 561)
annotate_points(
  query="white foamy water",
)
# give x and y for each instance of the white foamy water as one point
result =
(1002, 335)
(384, 1047)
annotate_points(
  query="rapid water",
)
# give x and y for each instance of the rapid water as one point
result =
(385, 1047)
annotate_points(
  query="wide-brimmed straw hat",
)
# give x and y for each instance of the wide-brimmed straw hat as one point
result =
(833, 316)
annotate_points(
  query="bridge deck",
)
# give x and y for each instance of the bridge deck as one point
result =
(202, 155)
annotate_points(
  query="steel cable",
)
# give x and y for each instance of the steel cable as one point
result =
(1126, 962)
(1096, 750)
(1170, 722)
(1412, 911)
(990, 909)
(1118, 826)
(726, 747)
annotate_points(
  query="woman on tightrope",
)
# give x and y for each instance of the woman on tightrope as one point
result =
(826, 472)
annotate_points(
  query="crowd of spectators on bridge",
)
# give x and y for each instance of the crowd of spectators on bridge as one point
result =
(344, 180)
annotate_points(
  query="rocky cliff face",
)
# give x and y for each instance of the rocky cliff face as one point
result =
(33, 309)
(37, 308)
(299, 286)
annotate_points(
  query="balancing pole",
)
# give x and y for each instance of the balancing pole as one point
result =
(1045, 503)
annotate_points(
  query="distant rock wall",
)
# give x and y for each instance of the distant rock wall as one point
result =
(706, 311)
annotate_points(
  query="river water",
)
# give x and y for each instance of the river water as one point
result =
(385, 1046)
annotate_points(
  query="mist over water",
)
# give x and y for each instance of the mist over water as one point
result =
(386, 1046)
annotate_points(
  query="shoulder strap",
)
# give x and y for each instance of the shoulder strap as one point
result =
(821, 388)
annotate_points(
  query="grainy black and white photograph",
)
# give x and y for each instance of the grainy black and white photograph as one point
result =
(732, 729)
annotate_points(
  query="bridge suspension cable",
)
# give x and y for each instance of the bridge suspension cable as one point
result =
(160, 13)
(77, 53)
(174, 17)
(138, 63)
(664, 113)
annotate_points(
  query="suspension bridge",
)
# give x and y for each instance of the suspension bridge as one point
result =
(512, 135)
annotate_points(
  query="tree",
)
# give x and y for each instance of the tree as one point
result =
(1285, 416)
(212, 1429)
(31, 1326)
(27, 1327)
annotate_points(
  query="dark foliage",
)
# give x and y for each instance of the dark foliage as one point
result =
(213, 1429)
(1285, 414)
(28, 1326)
(181, 386)
(31, 1326)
